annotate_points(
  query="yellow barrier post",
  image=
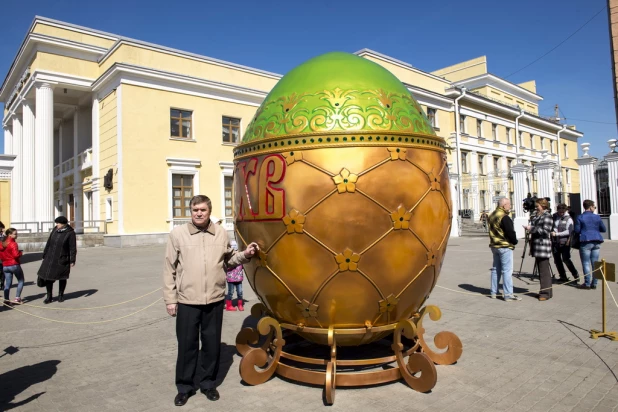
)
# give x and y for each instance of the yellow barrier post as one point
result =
(607, 272)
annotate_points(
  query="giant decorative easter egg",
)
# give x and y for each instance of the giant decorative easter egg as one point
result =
(343, 183)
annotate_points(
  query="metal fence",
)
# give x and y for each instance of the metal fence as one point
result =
(80, 226)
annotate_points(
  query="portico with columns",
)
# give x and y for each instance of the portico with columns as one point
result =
(52, 170)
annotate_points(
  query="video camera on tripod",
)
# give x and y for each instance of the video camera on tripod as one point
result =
(530, 204)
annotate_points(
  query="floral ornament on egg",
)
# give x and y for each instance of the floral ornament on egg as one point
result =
(401, 218)
(294, 221)
(348, 260)
(345, 181)
(388, 304)
(434, 181)
(308, 309)
(292, 157)
(398, 153)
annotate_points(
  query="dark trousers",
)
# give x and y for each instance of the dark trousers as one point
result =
(195, 322)
(563, 254)
(62, 285)
(545, 277)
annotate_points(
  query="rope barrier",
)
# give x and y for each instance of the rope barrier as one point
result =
(610, 291)
(91, 308)
(82, 323)
(540, 290)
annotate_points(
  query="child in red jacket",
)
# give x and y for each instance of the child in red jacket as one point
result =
(10, 254)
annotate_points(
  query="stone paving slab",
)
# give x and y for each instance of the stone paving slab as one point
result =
(518, 356)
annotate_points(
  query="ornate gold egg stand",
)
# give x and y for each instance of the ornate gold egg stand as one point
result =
(260, 363)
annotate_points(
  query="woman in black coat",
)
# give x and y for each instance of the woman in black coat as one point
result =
(58, 258)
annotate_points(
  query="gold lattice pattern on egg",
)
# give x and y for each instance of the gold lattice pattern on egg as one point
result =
(348, 260)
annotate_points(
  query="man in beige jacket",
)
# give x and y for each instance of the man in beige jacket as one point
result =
(193, 290)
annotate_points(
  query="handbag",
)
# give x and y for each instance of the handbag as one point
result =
(573, 240)
(40, 282)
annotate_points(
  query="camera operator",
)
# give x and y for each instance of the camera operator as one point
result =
(563, 228)
(540, 229)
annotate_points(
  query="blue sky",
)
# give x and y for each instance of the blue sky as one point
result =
(278, 35)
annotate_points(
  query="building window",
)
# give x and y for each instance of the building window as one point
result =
(496, 167)
(481, 161)
(466, 199)
(494, 132)
(532, 141)
(508, 135)
(108, 209)
(231, 130)
(566, 151)
(462, 123)
(182, 192)
(521, 139)
(542, 142)
(551, 147)
(431, 116)
(180, 123)
(568, 177)
(464, 162)
(483, 195)
(227, 195)
(479, 128)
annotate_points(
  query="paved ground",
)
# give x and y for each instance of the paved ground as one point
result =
(518, 356)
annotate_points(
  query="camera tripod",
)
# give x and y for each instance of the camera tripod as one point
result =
(535, 271)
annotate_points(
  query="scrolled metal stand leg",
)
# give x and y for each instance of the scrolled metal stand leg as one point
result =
(265, 357)
(442, 340)
(417, 361)
(331, 369)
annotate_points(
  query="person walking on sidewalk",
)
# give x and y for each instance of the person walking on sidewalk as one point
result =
(194, 292)
(502, 241)
(11, 266)
(561, 248)
(589, 226)
(59, 257)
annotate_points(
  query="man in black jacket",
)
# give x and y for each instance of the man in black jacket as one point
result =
(502, 241)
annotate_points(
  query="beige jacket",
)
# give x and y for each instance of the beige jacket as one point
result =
(193, 273)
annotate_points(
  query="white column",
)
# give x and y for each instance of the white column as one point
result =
(16, 177)
(8, 140)
(520, 190)
(8, 149)
(587, 181)
(612, 169)
(474, 188)
(504, 183)
(28, 164)
(455, 207)
(44, 155)
(77, 181)
(96, 199)
(546, 180)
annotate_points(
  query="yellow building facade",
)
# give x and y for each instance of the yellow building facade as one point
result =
(118, 134)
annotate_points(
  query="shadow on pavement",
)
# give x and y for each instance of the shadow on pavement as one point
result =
(67, 296)
(567, 324)
(487, 291)
(31, 257)
(14, 382)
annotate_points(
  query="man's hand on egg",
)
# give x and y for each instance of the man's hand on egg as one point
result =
(251, 250)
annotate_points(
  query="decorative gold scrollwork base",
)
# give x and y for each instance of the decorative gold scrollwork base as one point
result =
(259, 363)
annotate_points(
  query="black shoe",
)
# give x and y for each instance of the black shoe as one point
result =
(61, 298)
(584, 286)
(182, 398)
(212, 394)
(593, 286)
(48, 299)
